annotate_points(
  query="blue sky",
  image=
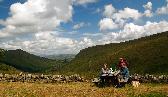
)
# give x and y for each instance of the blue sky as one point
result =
(67, 26)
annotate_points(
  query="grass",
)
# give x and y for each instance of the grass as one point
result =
(79, 90)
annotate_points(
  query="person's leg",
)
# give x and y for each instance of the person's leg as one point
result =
(102, 80)
(123, 81)
(117, 82)
(108, 80)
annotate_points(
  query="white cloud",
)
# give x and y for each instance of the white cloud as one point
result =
(52, 43)
(109, 10)
(2, 22)
(107, 24)
(148, 6)
(132, 31)
(163, 10)
(98, 10)
(117, 18)
(85, 42)
(44, 35)
(37, 15)
(148, 13)
(48, 43)
(42, 43)
(118, 15)
(83, 2)
(154, 27)
(42, 19)
(148, 9)
(92, 34)
(126, 14)
(80, 25)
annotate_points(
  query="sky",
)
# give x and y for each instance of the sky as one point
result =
(48, 27)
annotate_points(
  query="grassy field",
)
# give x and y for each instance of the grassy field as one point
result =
(79, 90)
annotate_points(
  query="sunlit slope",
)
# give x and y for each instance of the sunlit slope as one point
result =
(145, 55)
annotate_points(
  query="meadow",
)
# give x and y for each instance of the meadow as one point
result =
(79, 89)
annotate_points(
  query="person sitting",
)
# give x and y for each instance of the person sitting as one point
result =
(123, 75)
(104, 74)
(110, 71)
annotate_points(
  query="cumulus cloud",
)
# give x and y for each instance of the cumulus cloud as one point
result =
(127, 13)
(148, 9)
(114, 18)
(39, 15)
(42, 19)
(109, 10)
(148, 6)
(132, 31)
(52, 43)
(163, 10)
(43, 42)
(2, 22)
(107, 24)
(80, 25)
(48, 43)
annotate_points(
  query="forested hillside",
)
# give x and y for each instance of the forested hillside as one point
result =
(27, 62)
(145, 55)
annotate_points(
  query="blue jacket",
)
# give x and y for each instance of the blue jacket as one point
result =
(125, 72)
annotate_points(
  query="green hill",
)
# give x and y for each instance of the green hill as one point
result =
(145, 55)
(26, 62)
(8, 69)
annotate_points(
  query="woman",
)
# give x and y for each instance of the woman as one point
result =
(104, 70)
(122, 62)
(104, 73)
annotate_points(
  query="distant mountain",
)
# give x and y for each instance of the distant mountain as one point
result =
(25, 61)
(145, 55)
(61, 56)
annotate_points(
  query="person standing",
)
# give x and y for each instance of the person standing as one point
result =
(122, 61)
